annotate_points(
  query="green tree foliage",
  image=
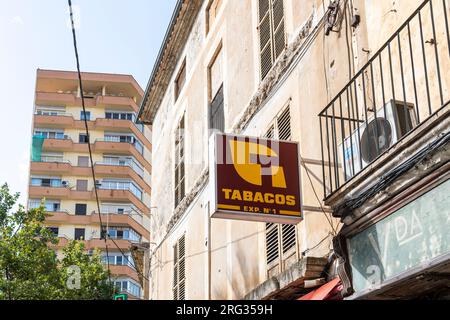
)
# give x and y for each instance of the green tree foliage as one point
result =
(30, 268)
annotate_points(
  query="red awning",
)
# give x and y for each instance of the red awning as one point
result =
(323, 292)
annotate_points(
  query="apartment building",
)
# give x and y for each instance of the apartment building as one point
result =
(268, 68)
(61, 172)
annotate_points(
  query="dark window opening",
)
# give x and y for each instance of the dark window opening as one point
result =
(80, 209)
(83, 138)
(80, 234)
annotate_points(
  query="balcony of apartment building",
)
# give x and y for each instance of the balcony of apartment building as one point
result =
(384, 142)
(96, 243)
(130, 287)
(107, 190)
(55, 187)
(111, 166)
(54, 140)
(134, 220)
(122, 145)
(119, 121)
(111, 190)
(72, 98)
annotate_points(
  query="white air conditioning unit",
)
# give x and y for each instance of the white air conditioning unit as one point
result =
(376, 136)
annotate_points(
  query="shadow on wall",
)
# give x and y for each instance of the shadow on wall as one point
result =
(245, 271)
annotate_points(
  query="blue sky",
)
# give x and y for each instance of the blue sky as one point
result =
(113, 36)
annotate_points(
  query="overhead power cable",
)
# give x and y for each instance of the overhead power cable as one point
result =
(103, 233)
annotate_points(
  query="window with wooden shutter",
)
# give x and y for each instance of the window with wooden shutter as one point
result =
(216, 98)
(179, 269)
(179, 163)
(272, 38)
(283, 124)
(281, 239)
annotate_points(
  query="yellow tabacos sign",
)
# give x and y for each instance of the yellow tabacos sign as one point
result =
(255, 179)
(259, 197)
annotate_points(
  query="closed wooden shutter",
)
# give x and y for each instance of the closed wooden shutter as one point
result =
(284, 125)
(272, 39)
(279, 35)
(270, 133)
(281, 239)
(179, 270)
(272, 249)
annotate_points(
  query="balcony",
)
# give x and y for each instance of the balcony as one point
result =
(49, 121)
(124, 271)
(111, 219)
(125, 148)
(62, 99)
(101, 170)
(124, 245)
(58, 145)
(118, 125)
(103, 194)
(55, 168)
(399, 93)
(53, 98)
(123, 195)
(111, 170)
(59, 193)
(116, 101)
(67, 121)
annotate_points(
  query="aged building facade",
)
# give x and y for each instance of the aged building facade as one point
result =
(262, 68)
(61, 171)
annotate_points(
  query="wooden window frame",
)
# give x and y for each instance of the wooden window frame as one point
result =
(182, 72)
(208, 23)
(212, 96)
(179, 163)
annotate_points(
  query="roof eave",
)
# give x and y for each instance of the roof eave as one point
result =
(178, 31)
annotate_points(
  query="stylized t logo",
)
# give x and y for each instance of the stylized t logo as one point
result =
(247, 160)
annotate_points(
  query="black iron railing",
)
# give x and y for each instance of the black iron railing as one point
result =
(402, 85)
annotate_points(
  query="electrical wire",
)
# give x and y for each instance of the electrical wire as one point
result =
(317, 197)
(392, 175)
(87, 133)
(103, 234)
(317, 245)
